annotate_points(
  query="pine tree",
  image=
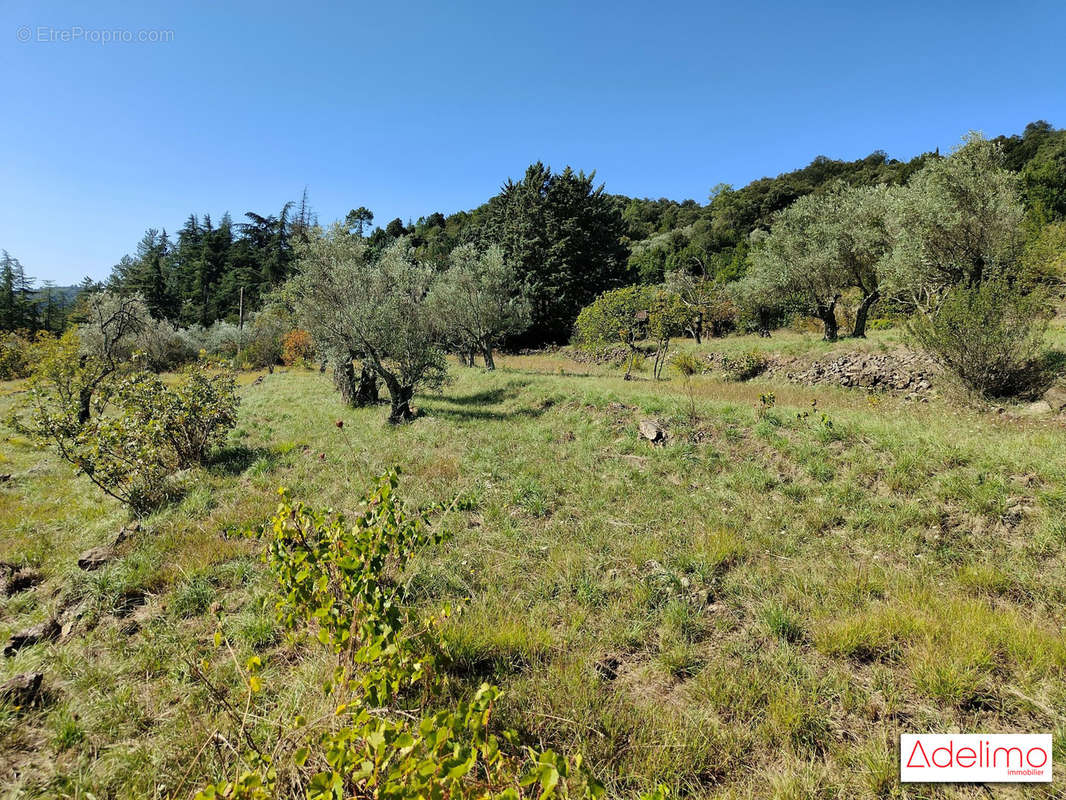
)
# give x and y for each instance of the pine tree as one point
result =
(565, 237)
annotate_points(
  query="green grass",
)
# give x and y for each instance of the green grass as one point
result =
(756, 608)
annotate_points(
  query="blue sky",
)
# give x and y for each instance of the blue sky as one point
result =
(410, 108)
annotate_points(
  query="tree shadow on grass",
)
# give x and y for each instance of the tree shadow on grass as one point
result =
(486, 396)
(464, 413)
(237, 459)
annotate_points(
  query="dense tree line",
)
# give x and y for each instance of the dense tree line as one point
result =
(565, 237)
(24, 306)
(208, 270)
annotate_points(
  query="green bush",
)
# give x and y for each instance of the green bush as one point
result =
(140, 430)
(195, 414)
(627, 315)
(991, 336)
(16, 354)
(616, 317)
(687, 364)
(745, 366)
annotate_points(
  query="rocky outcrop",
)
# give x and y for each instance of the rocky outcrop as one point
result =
(1055, 397)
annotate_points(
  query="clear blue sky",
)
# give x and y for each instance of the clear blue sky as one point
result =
(410, 108)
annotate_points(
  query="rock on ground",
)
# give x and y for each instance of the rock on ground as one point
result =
(22, 690)
(652, 431)
(41, 632)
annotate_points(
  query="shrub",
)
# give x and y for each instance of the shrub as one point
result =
(745, 366)
(125, 455)
(297, 348)
(140, 431)
(16, 353)
(687, 364)
(163, 346)
(221, 339)
(619, 316)
(627, 315)
(195, 414)
(991, 336)
(264, 342)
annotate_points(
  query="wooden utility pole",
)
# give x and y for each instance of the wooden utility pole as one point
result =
(240, 327)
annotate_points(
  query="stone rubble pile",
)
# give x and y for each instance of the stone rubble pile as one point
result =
(901, 371)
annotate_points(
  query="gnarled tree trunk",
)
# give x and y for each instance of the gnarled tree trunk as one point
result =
(827, 314)
(399, 399)
(486, 352)
(344, 381)
(356, 394)
(859, 331)
(366, 391)
(400, 410)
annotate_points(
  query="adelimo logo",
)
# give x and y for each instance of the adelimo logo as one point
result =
(975, 757)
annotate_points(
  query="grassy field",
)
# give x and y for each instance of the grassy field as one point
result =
(756, 608)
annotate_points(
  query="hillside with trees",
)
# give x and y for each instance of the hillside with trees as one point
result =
(567, 238)
(738, 492)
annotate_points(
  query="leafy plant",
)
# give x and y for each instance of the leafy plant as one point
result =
(745, 366)
(766, 403)
(336, 579)
(297, 348)
(627, 315)
(139, 431)
(198, 412)
(16, 353)
(991, 336)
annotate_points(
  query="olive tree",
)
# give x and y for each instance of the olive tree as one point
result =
(478, 301)
(797, 261)
(861, 241)
(373, 311)
(958, 221)
(823, 245)
(959, 261)
(109, 335)
(707, 302)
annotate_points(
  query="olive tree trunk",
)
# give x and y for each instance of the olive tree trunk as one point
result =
(354, 393)
(827, 314)
(859, 331)
(399, 399)
(366, 391)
